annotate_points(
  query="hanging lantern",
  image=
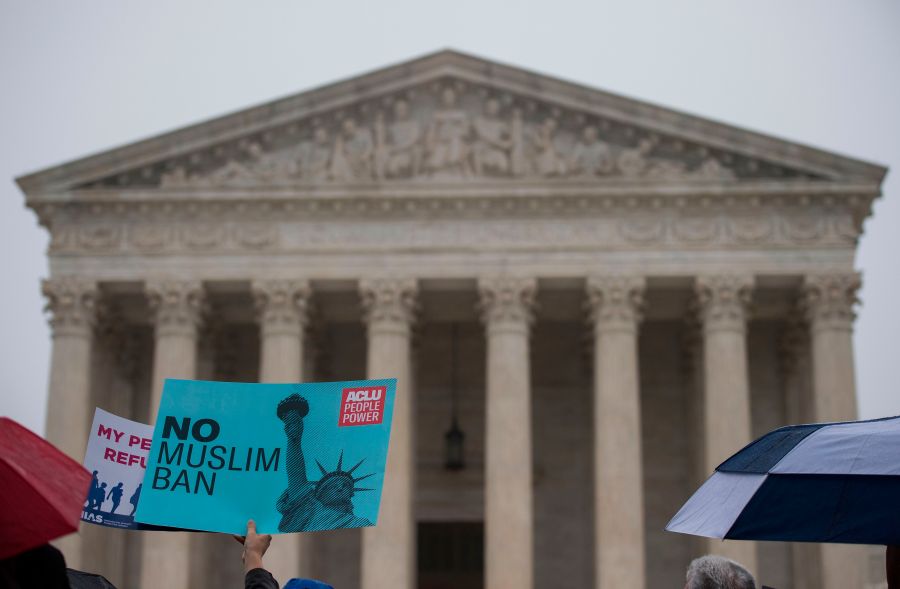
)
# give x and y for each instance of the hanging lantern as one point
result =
(454, 442)
(454, 439)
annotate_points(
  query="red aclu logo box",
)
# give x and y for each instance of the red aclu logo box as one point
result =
(362, 406)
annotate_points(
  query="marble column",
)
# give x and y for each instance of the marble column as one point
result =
(389, 549)
(177, 307)
(723, 302)
(72, 306)
(615, 305)
(806, 562)
(282, 311)
(507, 305)
(829, 300)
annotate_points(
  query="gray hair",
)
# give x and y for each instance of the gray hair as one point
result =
(717, 572)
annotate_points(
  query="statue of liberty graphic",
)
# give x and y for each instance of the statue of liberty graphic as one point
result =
(307, 505)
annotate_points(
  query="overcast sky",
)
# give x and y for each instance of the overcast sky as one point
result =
(86, 76)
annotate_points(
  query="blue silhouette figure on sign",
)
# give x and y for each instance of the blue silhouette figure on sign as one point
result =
(135, 497)
(116, 494)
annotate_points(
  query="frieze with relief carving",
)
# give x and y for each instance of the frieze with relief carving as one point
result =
(277, 231)
(448, 131)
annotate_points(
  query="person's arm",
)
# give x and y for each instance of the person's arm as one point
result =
(255, 546)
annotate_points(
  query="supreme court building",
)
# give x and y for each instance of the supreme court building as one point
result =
(604, 297)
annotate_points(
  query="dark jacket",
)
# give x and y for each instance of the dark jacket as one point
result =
(259, 579)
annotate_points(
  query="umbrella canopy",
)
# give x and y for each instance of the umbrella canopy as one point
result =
(82, 580)
(825, 482)
(42, 490)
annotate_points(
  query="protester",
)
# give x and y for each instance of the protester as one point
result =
(255, 575)
(892, 566)
(42, 567)
(255, 546)
(717, 572)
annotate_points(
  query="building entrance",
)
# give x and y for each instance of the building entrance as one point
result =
(451, 555)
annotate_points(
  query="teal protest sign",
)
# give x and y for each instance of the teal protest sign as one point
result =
(293, 457)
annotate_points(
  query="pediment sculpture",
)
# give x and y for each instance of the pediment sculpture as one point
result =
(445, 134)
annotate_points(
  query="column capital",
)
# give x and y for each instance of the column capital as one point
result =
(615, 301)
(507, 301)
(73, 304)
(389, 302)
(178, 305)
(828, 300)
(282, 306)
(723, 300)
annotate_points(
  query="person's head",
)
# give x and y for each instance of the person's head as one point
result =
(717, 572)
(43, 567)
(95, 474)
(335, 488)
(306, 584)
(119, 485)
(102, 485)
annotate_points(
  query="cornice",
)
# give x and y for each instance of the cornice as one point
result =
(800, 191)
(447, 201)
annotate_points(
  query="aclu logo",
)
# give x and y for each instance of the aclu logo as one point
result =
(362, 406)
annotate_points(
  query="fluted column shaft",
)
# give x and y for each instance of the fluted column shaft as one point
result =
(507, 308)
(177, 308)
(723, 303)
(72, 306)
(389, 549)
(615, 304)
(282, 313)
(829, 300)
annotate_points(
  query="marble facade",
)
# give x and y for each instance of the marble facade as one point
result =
(637, 293)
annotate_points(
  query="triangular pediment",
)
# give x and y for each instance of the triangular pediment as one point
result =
(449, 117)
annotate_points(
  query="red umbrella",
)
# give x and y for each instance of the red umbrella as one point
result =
(42, 491)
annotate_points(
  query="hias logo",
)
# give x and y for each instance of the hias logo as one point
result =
(90, 516)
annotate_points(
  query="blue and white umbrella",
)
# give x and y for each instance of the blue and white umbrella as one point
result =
(822, 482)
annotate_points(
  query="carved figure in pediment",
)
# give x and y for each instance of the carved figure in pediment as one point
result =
(271, 167)
(633, 162)
(518, 153)
(547, 161)
(352, 158)
(315, 157)
(712, 169)
(492, 141)
(448, 153)
(667, 170)
(235, 172)
(591, 156)
(176, 178)
(400, 145)
(381, 151)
